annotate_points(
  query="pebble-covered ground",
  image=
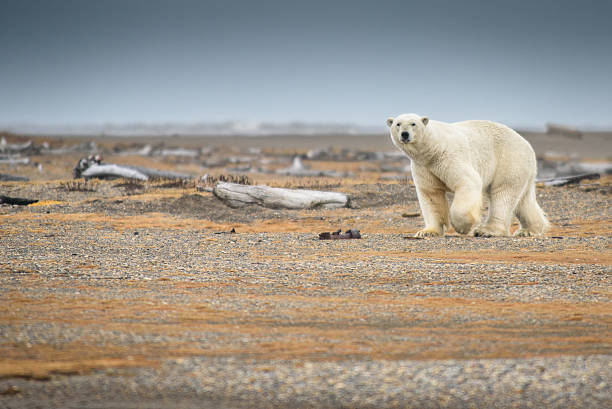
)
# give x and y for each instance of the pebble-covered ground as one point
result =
(129, 295)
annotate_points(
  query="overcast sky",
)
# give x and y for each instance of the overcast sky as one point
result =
(519, 62)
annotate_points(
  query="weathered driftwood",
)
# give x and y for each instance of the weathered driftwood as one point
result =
(92, 166)
(12, 178)
(235, 195)
(26, 147)
(556, 129)
(190, 153)
(110, 170)
(143, 151)
(85, 147)
(16, 201)
(13, 160)
(569, 180)
(160, 174)
(298, 168)
(130, 172)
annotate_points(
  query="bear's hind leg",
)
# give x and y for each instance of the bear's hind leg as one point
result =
(530, 215)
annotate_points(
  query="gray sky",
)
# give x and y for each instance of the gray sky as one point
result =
(520, 62)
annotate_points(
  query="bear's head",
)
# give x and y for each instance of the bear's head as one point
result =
(407, 129)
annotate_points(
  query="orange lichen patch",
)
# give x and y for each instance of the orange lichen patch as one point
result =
(311, 221)
(309, 327)
(163, 221)
(43, 369)
(39, 361)
(584, 228)
(149, 220)
(567, 256)
(45, 203)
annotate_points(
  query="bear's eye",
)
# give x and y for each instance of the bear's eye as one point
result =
(398, 124)
(413, 124)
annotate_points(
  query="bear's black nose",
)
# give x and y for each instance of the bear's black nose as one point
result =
(405, 136)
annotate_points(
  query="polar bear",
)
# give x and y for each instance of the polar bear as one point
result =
(470, 159)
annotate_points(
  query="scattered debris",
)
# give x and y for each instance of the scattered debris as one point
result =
(569, 132)
(298, 168)
(570, 180)
(144, 150)
(413, 238)
(236, 195)
(16, 201)
(92, 166)
(112, 170)
(85, 163)
(215, 162)
(601, 168)
(160, 174)
(11, 390)
(233, 231)
(392, 167)
(189, 153)
(349, 234)
(14, 160)
(19, 148)
(552, 166)
(319, 154)
(402, 178)
(12, 178)
(415, 214)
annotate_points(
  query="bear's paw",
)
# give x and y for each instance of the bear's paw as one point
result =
(428, 233)
(488, 232)
(525, 233)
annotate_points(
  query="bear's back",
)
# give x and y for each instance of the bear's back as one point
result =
(491, 134)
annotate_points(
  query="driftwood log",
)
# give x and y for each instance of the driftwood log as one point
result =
(235, 195)
(16, 200)
(569, 132)
(160, 174)
(569, 180)
(14, 160)
(298, 168)
(12, 178)
(110, 169)
(19, 148)
(93, 166)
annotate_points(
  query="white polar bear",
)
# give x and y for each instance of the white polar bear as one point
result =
(470, 159)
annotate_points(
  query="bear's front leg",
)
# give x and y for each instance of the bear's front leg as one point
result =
(434, 207)
(466, 207)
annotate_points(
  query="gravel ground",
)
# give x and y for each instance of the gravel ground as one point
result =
(132, 296)
(565, 382)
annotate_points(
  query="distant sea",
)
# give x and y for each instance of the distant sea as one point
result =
(229, 128)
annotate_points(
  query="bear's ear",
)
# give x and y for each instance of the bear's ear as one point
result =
(390, 121)
(425, 120)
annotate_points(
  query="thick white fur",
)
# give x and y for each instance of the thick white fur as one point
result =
(470, 159)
